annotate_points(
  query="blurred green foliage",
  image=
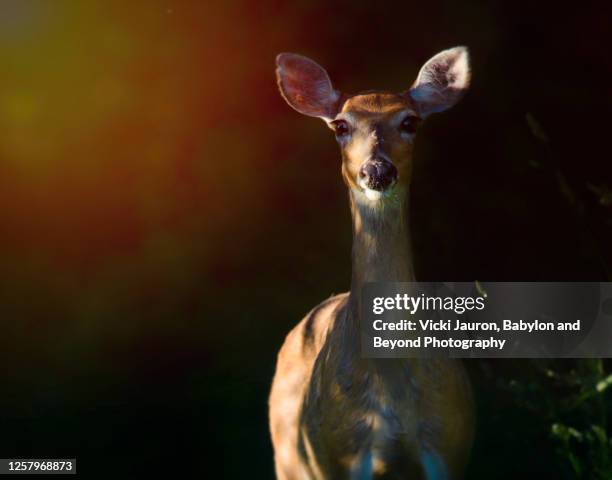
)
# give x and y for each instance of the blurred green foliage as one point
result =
(571, 398)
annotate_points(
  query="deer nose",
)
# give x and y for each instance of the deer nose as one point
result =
(378, 174)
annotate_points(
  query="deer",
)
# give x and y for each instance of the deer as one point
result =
(334, 414)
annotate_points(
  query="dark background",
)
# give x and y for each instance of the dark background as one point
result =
(165, 218)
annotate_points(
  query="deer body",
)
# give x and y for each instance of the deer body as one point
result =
(334, 414)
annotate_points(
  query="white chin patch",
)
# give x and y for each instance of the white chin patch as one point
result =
(373, 194)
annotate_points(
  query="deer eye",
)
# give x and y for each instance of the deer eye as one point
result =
(341, 127)
(409, 124)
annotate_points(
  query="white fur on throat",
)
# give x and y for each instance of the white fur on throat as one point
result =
(367, 195)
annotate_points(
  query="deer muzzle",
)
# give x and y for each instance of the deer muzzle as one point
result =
(377, 175)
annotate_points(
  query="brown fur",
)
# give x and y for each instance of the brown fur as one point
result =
(375, 116)
(330, 409)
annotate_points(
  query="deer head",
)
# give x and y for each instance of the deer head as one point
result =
(375, 130)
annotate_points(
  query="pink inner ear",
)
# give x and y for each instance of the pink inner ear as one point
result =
(442, 81)
(306, 86)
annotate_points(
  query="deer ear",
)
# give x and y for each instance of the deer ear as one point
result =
(305, 85)
(442, 81)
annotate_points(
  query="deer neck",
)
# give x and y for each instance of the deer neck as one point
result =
(381, 253)
(381, 246)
